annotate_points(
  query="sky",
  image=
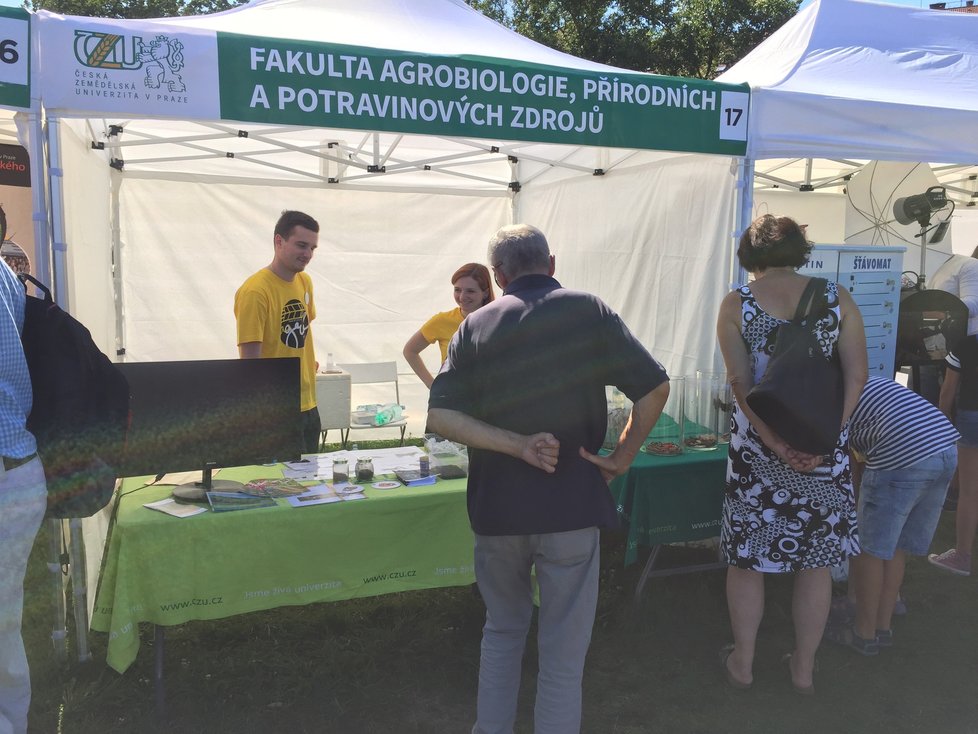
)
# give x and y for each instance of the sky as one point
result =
(912, 3)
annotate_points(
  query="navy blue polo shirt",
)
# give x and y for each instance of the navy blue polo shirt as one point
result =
(538, 359)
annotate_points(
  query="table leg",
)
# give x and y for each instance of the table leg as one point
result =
(645, 574)
(648, 573)
(158, 643)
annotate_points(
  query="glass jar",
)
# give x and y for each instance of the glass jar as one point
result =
(341, 471)
(365, 469)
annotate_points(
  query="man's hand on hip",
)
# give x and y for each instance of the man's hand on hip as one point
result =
(607, 464)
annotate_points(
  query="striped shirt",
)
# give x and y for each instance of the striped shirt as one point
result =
(893, 427)
(15, 382)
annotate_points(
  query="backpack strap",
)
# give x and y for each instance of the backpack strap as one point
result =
(26, 278)
(808, 298)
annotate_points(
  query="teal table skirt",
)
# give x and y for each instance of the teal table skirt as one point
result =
(671, 499)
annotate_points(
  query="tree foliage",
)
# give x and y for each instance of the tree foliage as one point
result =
(691, 38)
(132, 8)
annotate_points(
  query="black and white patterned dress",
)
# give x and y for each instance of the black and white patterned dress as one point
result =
(775, 519)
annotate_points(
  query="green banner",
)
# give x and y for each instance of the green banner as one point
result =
(15, 55)
(328, 85)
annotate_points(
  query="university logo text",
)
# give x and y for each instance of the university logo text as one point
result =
(161, 58)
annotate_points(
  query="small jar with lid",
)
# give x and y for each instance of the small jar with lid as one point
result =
(364, 469)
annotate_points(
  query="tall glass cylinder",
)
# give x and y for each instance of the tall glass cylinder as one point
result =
(700, 425)
(666, 438)
(725, 404)
(619, 410)
(723, 400)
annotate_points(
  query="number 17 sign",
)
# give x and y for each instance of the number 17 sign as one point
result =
(733, 115)
(15, 43)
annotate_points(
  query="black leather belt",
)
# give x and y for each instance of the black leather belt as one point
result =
(9, 463)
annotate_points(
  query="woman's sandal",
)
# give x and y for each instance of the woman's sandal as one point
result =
(808, 690)
(739, 685)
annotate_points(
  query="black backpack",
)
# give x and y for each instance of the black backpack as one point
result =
(80, 413)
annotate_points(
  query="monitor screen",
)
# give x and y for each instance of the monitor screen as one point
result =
(222, 412)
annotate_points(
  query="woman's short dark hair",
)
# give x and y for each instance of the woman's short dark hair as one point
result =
(773, 242)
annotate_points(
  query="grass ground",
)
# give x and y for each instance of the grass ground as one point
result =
(408, 663)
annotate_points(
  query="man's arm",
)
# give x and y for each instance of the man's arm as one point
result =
(644, 414)
(249, 350)
(539, 450)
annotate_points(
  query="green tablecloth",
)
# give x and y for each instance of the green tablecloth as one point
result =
(168, 570)
(671, 499)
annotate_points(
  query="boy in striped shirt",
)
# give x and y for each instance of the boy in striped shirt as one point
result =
(908, 448)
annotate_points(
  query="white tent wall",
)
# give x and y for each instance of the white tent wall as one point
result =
(86, 200)
(383, 266)
(384, 261)
(964, 226)
(824, 213)
(654, 242)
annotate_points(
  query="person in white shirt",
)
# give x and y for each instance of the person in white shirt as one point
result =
(959, 277)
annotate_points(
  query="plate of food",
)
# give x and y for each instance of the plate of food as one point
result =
(385, 485)
(662, 448)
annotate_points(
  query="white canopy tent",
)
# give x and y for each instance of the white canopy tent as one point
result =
(845, 82)
(162, 192)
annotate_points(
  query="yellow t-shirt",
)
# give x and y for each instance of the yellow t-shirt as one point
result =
(441, 328)
(278, 313)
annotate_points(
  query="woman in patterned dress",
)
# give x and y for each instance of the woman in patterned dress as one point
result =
(784, 511)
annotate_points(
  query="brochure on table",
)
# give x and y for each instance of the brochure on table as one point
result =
(321, 494)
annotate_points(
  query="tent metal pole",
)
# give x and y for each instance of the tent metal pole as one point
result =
(39, 215)
(515, 209)
(59, 249)
(59, 265)
(745, 194)
(116, 183)
(79, 587)
(59, 632)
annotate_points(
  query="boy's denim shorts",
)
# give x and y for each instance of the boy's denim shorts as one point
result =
(966, 421)
(900, 508)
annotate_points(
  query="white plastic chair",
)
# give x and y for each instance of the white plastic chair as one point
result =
(366, 373)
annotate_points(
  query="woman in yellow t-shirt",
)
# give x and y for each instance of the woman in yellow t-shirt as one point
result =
(473, 290)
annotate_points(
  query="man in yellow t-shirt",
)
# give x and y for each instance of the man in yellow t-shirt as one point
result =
(274, 308)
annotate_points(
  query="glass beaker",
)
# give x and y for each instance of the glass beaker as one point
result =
(666, 437)
(700, 426)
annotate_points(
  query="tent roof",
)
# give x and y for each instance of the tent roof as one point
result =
(852, 79)
(444, 27)
(99, 69)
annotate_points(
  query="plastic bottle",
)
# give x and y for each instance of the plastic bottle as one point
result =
(354, 447)
(330, 365)
(388, 414)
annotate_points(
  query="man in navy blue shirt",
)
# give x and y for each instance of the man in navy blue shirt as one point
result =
(524, 388)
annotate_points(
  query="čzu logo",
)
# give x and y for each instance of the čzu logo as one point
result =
(161, 58)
